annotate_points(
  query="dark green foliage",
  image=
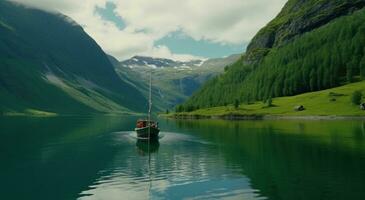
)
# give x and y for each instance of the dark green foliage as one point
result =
(236, 103)
(313, 80)
(362, 68)
(179, 109)
(269, 102)
(226, 68)
(356, 97)
(323, 58)
(349, 74)
(333, 94)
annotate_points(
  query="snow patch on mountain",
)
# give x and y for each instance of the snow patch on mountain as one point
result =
(160, 63)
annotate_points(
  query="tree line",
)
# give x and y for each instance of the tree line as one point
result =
(329, 56)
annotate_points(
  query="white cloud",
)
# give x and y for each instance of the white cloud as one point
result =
(226, 22)
(164, 52)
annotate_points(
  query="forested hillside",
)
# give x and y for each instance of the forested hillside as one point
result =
(329, 55)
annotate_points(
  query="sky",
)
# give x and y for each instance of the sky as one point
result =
(175, 29)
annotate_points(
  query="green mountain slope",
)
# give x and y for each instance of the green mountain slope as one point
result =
(297, 17)
(312, 49)
(173, 81)
(48, 62)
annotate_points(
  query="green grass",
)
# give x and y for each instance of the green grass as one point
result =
(315, 103)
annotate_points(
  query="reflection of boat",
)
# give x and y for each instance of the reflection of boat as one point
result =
(148, 128)
(144, 146)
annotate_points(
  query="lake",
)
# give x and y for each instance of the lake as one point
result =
(100, 158)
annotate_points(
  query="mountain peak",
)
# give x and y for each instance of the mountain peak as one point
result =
(145, 61)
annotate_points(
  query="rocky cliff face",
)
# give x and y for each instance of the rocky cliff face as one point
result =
(296, 18)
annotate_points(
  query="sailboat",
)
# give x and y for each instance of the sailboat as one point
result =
(146, 128)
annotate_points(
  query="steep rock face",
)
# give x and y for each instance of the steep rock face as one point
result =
(296, 18)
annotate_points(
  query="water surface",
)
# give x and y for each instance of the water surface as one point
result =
(101, 158)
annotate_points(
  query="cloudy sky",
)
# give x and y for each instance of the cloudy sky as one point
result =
(177, 29)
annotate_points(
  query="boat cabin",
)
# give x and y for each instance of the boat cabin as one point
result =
(144, 123)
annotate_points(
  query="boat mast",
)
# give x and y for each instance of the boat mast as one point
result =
(150, 99)
(149, 119)
(149, 132)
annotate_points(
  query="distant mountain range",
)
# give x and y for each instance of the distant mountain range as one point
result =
(144, 61)
(173, 81)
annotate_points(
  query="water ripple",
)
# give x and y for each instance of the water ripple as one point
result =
(181, 162)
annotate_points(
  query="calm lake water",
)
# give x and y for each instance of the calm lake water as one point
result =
(100, 158)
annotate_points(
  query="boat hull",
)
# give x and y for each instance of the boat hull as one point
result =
(144, 132)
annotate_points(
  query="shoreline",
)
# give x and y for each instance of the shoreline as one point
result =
(237, 117)
(52, 115)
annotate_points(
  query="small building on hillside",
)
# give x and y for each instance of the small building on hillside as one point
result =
(362, 106)
(299, 108)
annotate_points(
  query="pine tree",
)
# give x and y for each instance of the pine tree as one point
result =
(312, 80)
(236, 103)
(269, 102)
(356, 97)
(349, 72)
(362, 68)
